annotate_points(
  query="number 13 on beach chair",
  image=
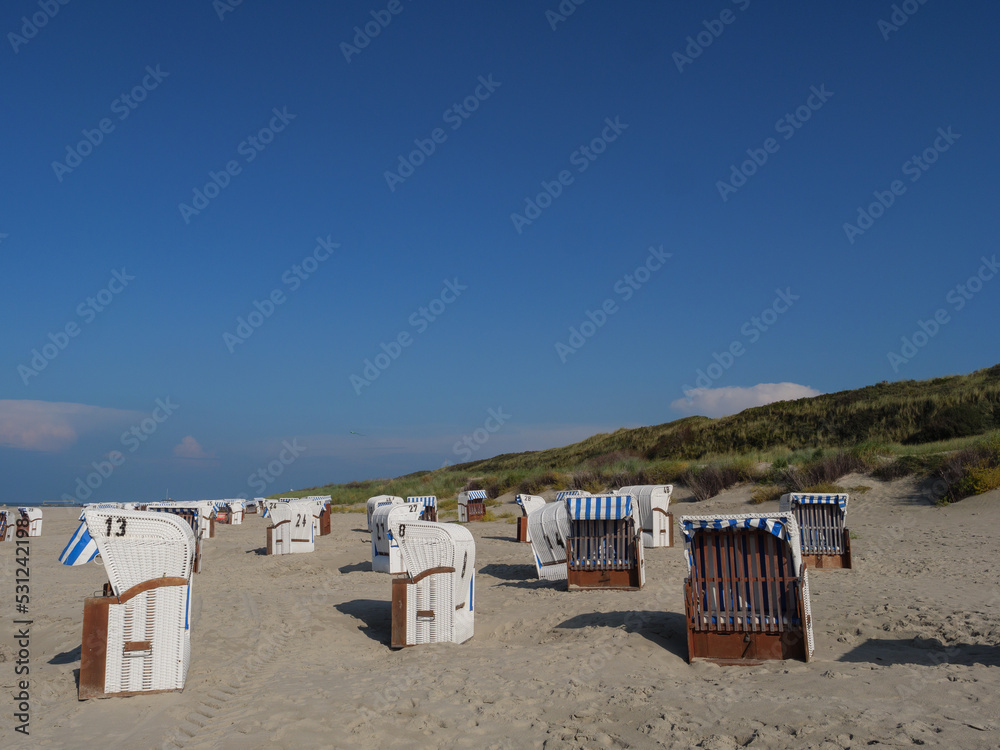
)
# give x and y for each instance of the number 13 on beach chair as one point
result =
(137, 638)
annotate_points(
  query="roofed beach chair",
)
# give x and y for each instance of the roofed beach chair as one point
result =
(7, 526)
(653, 504)
(377, 501)
(529, 504)
(471, 505)
(604, 547)
(826, 542)
(137, 638)
(323, 513)
(563, 494)
(548, 530)
(386, 557)
(292, 529)
(746, 597)
(434, 601)
(194, 515)
(33, 517)
(429, 506)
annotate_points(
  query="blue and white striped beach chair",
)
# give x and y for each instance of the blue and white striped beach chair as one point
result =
(604, 548)
(746, 596)
(826, 541)
(471, 505)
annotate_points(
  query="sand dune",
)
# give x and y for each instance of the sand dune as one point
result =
(291, 652)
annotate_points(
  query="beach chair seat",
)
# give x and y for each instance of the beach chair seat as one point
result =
(386, 556)
(822, 519)
(548, 530)
(604, 546)
(652, 503)
(292, 529)
(746, 596)
(528, 504)
(428, 504)
(434, 600)
(137, 638)
(471, 505)
(378, 501)
(33, 517)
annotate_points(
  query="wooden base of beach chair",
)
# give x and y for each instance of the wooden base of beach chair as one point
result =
(475, 511)
(397, 637)
(211, 528)
(324, 523)
(94, 651)
(270, 540)
(742, 647)
(832, 561)
(522, 529)
(615, 580)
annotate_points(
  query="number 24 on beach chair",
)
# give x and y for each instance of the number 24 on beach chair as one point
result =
(746, 597)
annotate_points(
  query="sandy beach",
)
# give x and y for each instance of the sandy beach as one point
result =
(292, 651)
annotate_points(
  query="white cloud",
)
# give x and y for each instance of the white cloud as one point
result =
(51, 426)
(189, 448)
(721, 402)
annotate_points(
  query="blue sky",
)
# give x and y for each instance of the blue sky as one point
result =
(578, 221)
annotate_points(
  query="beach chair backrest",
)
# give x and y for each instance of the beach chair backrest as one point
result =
(529, 503)
(377, 501)
(602, 532)
(821, 518)
(549, 530)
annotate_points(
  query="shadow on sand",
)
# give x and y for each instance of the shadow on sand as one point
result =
(666, 629)
(927, 652)
(375, 616)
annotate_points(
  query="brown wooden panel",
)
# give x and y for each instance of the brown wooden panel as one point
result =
(623, 580)
(425, 613)
(94, 646)
(522, 529)
(397, 636)
(429, 572)
(270, 540)
(137, 646)
(324, 523)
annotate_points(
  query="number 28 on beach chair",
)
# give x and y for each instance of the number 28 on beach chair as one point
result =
(529, 504)
(137, 639)
(604, 549)
(826, 543)
(746, 597)
(434, 601)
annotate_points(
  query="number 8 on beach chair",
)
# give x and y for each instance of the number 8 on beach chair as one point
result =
(386, 556)
(435, 600)
(746, 597)
(604, 549)
(137, 639)
(826, 543)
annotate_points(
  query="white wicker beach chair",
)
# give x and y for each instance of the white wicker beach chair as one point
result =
(529, 504)
(386, 557)
(377, 501)
(8, 523)
(33, 516)
(746, 597)
(428, 506)
(293, 527)
(195, 515)
(548, 529)
(653, 504)
(137, 639)
(237, 510)
(826, 541)
(471, 505)
(435, 601)
(323, 513)
(604, 547)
